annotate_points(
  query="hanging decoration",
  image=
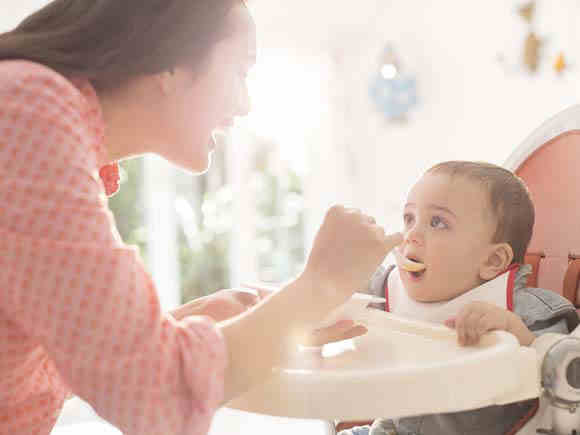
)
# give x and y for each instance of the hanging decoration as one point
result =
(393, 91)
(533, 53)
(532, 44)
(532, 47)
(560, 63)
(527, 11)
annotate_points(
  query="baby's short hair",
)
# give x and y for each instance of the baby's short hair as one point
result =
(509, 197)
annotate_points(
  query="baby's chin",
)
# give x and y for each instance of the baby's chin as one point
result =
(430, 294)
(424, 293)
(422, 297)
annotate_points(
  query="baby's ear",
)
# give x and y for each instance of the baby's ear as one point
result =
(499, 258)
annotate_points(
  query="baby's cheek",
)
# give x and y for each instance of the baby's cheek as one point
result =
(450, 277)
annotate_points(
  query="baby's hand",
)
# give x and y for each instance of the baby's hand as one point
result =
(477, 318)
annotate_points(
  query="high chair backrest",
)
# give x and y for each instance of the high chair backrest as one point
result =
(549, 163)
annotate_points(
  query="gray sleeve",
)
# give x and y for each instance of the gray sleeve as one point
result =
(357, 430)
(383, 426)
(545, 311)
(561, 327)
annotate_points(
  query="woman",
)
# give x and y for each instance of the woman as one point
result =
(85, 83)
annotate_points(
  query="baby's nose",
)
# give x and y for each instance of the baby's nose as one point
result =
(414, 236)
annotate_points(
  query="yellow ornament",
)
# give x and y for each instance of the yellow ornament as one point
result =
(560, 63)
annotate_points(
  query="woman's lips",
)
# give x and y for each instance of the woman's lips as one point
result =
(217, 136)
(211, 143)
(227, 123)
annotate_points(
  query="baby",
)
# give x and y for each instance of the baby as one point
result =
(467, 226)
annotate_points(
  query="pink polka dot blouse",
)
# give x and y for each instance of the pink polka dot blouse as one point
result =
(78, 311)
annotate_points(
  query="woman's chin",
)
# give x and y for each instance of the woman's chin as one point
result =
(201, 167)
(197, 163)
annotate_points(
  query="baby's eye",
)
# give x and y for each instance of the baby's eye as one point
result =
(408, 219)
(438, 222)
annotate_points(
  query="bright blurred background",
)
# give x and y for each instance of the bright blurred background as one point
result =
(351, 102)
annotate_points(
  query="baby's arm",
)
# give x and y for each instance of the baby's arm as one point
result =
(477, 318)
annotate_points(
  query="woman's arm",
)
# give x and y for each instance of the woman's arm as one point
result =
(257, 341)
(69, 285)
(248, 354)
(221, 305)
(346, 251)
(79, 299)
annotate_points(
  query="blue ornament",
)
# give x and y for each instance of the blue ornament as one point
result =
(393, 93)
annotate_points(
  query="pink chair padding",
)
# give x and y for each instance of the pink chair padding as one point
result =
(552, 173)
(553, 271)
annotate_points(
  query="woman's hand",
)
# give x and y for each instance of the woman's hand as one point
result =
(341, 330)
(228, 303)
(220, 305)
(477, 318)
(347, 250)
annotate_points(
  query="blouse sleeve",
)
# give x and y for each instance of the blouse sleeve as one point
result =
(68, 281)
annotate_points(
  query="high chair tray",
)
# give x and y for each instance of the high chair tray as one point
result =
(399, 368)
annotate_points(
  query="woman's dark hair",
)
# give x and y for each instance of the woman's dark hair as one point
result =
(110, 41)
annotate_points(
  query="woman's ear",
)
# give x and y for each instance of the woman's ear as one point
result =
(499, 258)
(166, 82)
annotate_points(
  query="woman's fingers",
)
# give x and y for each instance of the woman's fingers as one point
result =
(450, 323)
(342, 330)
(347, 249)
(245, 298)
(262, 290)
(392, 241)
(355, 331)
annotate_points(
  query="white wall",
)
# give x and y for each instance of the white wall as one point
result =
(12, 12)
(471, 107)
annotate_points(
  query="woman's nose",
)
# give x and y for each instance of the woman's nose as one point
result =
(243, 104)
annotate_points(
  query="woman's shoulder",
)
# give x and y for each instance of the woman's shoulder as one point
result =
(13, 70)
(49, 136)
(25, 79)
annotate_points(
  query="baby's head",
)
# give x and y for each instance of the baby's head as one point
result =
(467, 222)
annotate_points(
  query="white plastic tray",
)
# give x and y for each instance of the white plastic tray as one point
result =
(399, 368)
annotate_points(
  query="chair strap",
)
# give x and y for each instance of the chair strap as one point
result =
(533, 259)
(571, 279)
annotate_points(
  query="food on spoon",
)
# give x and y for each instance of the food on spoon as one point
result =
(408, 264)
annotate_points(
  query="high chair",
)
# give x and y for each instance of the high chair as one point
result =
(403, 367)
(548, 161)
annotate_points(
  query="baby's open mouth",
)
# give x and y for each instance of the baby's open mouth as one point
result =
(418, 274)
(409, 264)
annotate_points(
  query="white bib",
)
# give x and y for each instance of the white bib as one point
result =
(499, 291)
